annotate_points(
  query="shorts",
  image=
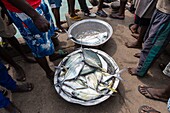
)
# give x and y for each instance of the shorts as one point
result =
(6, 31)
(39, 42)
(55, 3)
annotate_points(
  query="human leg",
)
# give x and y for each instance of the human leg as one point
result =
(39, 42)
(121, 13)
(7, 82)
(14, 43)
(44, 64)
(100, 12)
(71, 10)
(20, 74)
(147, 109)
(138, 43)
(157, 38)
(83, 6)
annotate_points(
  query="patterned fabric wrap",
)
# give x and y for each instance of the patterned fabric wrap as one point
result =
(39, 42)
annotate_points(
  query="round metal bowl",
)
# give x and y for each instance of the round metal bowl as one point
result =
(113, 67)
(90, 26)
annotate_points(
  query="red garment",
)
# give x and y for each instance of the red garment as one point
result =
(9, 6)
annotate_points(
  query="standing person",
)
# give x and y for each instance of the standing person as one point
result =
(144, 12)
(7, 31)
(157, 38)
(20, 74)
(100, 11)
(121, 14)
(71, 10)
(84, 8)
(7, 82)
(161, 94)
(37, 30)
(55, 6)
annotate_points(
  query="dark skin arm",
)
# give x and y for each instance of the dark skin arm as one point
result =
(41, 23)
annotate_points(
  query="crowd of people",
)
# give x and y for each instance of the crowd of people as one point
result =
(151, 28)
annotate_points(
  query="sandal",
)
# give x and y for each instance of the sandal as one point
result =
(144, 90)
(147, 109)
(101, 13)
(24, 87)
(117, 16)
(91, 15)
(75, 17)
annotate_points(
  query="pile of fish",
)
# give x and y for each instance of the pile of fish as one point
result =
(86, 75)
(91, 37)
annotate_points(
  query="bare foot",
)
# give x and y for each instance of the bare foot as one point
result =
(133, 28)
(153, 93)
(133, 45)
(147, 109)
(132, 71)
(136, 36)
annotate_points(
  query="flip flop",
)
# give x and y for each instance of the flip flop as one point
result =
(76, 18)
(149, 95)
(24, 87)
(91, 15)
(147, 109)
(116, 16)
(101, 13)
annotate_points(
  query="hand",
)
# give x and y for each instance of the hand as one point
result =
(41, 23)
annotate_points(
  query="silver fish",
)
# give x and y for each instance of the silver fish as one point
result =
(108, 76)
(82, 78)
(86, 94)
(67, 90)
(94, 38)
(92, 56)
(77, 84)
(73, 71)
(93, 64)
(87, 69)
(98, 75)
(73, 60)
(92, 81)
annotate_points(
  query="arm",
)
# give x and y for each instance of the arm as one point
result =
(40, 22)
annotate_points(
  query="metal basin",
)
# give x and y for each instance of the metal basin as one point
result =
(111, 67)
(88, 28)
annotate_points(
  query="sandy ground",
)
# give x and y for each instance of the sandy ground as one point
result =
(44, 98)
